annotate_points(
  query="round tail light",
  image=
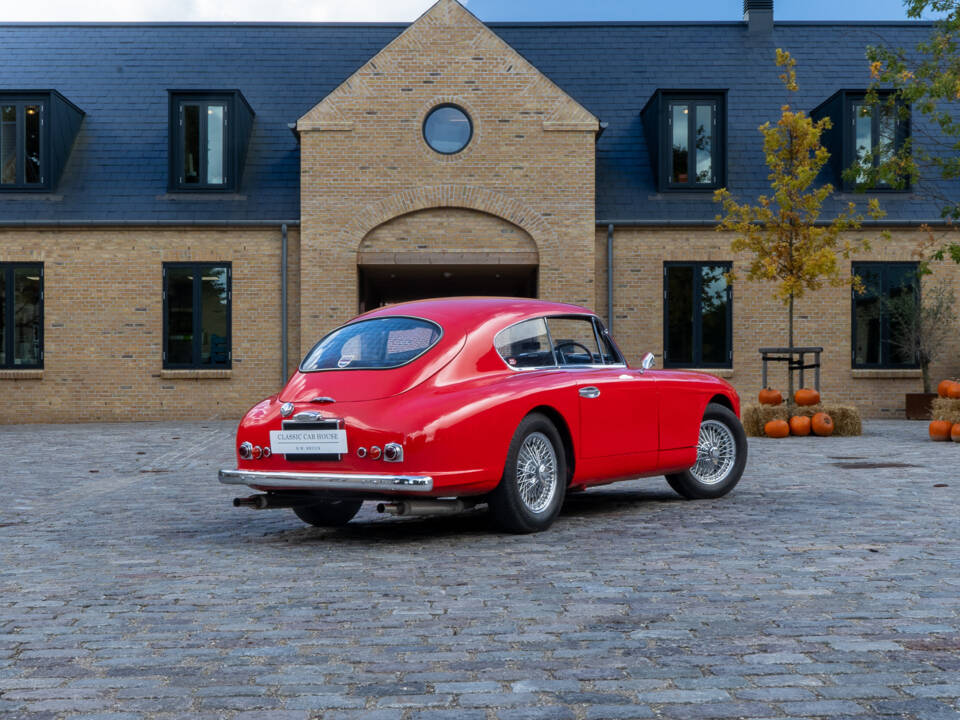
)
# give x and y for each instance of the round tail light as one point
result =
(393, 452)
(246, 451)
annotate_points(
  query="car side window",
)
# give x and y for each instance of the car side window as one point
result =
(574, 341)
(525, 345)
(607, 349)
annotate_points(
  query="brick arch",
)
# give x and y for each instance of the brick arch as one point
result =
(448, 196)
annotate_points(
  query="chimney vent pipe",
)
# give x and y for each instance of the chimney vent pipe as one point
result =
(758, 14)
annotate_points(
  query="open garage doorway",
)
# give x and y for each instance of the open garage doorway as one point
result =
(387, 284)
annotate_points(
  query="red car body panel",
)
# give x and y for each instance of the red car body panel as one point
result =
(455, 408)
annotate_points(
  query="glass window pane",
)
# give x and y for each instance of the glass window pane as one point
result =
(887, 122)
(214, 301)
(8, 144)
(378, 343)
(863, 130)
(680, 314)
(215, 132)
(447, 129)
(27, 326)
(901, 292)
(680, 142)
(867, 317)
(191, 143)
(713, 309)
(574, 341)
(3, 317)
(704, 143)
(525, 344)
(179, 315)
(31, 154)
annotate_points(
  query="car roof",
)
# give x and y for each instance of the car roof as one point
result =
(466, 313)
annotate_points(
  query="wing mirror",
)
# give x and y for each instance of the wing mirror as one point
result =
(647, 361)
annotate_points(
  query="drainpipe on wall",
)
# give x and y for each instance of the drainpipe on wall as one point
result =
(283, 305)
(610, 277)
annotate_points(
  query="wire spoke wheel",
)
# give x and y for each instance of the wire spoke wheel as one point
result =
(537, 476)
(716, 453)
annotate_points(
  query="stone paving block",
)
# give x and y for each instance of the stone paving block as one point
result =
(828, 708)
(618, 712)
(545, 712)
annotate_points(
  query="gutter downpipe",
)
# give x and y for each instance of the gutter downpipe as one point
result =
(610, 277)
(283, 305)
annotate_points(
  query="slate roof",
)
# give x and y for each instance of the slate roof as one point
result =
(119, 75)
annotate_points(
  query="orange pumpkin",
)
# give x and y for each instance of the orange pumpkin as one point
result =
(943, 389)
(776, 429)
(800, 425)
(768, 396)
(953, 391)
(806, 396)
(955, 433)
(940, 430)
(822, 424)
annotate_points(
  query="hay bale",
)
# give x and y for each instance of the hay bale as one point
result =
(846, 418)
(946, 409)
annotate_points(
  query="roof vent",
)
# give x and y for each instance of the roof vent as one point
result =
(758, 14)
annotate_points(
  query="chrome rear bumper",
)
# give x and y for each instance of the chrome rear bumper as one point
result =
(326, 481)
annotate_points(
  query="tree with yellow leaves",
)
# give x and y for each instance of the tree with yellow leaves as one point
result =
(791, 245)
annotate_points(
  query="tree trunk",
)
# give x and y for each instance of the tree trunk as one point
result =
(790, 345)
(925, 370)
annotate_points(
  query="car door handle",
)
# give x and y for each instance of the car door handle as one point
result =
(589, 392)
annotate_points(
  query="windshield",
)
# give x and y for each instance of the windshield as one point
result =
(376, 344)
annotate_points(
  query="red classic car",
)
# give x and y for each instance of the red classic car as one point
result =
(437, 405)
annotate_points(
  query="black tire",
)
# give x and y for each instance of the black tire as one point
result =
(536, 507)
(328, 513)
(690, 483)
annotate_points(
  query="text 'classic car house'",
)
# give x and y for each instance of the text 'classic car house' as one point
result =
(186, 208)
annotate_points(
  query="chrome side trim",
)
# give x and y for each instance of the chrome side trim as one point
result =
(327, 481)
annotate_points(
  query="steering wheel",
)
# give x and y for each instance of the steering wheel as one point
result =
(575, 344)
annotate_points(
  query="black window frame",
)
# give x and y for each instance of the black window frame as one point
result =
(232, 142)
(21, 101)
(901, 134)
(656, 118)
(697, 361)
(441, 106)
(885, 348)
(7, 270)
(195, 364)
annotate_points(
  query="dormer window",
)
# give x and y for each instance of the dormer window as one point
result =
(685, 134)
(863, 134)
(208, 140)
(29, 159)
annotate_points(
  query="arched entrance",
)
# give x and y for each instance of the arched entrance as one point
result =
(440, 252)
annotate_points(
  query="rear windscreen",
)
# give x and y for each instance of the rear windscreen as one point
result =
(377, 344)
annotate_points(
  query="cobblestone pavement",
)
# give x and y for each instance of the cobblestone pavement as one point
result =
(130, 588)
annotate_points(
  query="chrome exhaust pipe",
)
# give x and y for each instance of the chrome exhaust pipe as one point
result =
(254, 502)
(269, 501)
(411, 508)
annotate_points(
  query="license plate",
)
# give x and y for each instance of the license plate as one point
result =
(308, 442)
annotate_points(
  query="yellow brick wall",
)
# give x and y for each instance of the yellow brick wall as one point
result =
(103, 324)
(364, 161)
(444, 232)
(822, 318)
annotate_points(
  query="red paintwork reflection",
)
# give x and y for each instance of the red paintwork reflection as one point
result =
(455, 409)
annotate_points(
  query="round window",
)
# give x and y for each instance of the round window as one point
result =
(447, 129)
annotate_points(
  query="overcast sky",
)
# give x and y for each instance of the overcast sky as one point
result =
(407, 10)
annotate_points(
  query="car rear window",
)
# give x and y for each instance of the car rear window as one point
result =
(376, 344)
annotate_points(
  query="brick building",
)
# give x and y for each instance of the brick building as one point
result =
(186, 208)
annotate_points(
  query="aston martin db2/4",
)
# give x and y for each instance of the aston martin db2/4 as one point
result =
(434, 406)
